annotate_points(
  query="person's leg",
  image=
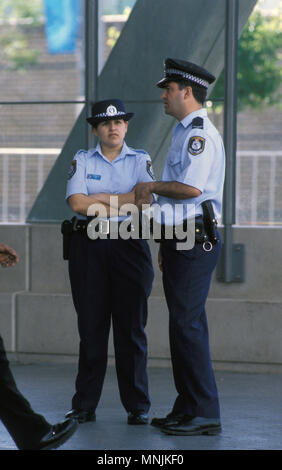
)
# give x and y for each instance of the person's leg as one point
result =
(186, 279)
(91, 295)
(24, 425)
(132, 277)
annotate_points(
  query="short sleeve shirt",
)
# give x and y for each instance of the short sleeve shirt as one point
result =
(195, 157)
(91, 172)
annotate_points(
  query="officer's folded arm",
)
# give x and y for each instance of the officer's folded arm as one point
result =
(171, 189)
(175, 190)
(116, 200)
(81, 204)
(103, 204)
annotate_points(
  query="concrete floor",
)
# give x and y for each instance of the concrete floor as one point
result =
(251, 409)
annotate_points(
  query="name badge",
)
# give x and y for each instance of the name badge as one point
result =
(91, 176)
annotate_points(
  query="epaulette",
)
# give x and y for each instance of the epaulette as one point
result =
(198, 123)
(140, 151)
(80, 152)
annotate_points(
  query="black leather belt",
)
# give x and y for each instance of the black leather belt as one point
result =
(201, 235)
(102, 226)
(205, 228)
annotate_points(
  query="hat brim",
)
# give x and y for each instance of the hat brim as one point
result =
(162, 83)
(96, 120)
(172, 78)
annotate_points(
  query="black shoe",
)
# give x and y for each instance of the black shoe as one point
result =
(170, 419)
(82, 416)
(58, 434)
(137, 417)
(194, 427)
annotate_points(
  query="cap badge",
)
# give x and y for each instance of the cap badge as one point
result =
(111, 110)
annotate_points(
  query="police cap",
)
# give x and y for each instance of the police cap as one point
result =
(108, 109)
(176, 70)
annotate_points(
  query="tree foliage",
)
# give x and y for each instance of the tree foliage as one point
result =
(22, 9)
(259, 63)
(13, 41)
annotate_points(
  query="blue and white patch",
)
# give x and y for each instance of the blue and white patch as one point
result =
(149, 169)
(72, 169)
(196, 145)
(92, 176)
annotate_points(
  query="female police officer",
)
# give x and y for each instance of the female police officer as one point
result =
(110, 276)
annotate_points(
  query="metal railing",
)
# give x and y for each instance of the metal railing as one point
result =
(258, 187)
(23, 172)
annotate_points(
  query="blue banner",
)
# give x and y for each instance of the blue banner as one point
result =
(62, 22)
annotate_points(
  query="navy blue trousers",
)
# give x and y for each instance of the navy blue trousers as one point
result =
(111, 279)
(24, 425)
(186, 279)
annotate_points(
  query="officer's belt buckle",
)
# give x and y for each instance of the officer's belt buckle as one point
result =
(104, 227)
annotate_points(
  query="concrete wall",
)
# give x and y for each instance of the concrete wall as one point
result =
(38, 321)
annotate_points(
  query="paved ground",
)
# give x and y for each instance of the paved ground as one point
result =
(251, 408)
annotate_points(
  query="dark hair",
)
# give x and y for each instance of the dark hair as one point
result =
(94, 126)
(199, 93)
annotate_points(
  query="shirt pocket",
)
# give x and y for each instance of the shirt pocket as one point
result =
(175, 163)
(97, 182)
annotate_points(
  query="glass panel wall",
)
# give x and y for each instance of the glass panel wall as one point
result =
(42, 89)
(259, 120)
(42, 93)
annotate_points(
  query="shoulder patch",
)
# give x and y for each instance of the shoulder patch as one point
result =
(198, 123)
(149, 169)
(196, 145)
(72, 169)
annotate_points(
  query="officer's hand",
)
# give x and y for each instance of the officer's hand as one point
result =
(143, 194)
(8, 256)
(160, 260)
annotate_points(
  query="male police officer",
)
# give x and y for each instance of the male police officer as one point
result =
(193, 173)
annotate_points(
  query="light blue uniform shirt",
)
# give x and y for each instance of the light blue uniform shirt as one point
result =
(93, 173)
(195, 157)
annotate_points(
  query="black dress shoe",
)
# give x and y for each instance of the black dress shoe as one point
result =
(194, 427)
(137, 417)
(82, 416)
(58, 434)
(170, 419)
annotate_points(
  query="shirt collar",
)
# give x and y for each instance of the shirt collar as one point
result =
(124, 151)
(189, 118)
